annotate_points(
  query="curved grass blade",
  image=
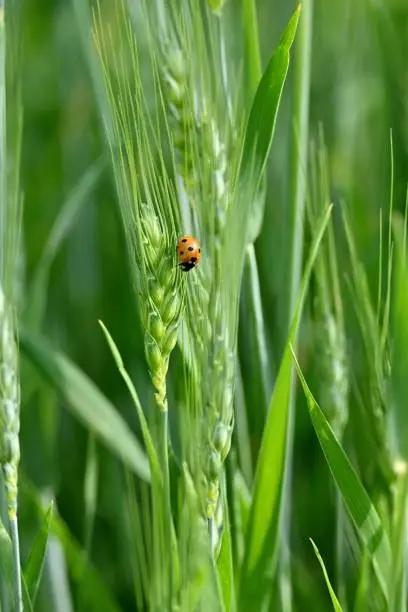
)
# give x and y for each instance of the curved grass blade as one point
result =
(68, 215)
(262, 536)
(368, 523)
(261, 123)
(336, 604)
(86, 401)
(35, 563)
(148, 440)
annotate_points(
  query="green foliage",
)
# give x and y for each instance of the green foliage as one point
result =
(336, 604)
(33, 569)
(262, 535)
(261, 123)
(368, 523)
(86, 401)
(175, 481)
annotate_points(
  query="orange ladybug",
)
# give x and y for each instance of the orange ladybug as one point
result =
(189, 252)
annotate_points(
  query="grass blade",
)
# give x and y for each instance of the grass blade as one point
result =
(96, 593)
(262, 120)
(148, 440)
(262, 537)
(254, 355)
(86, 402)
(68, 215)
(359, 505)
(35, 563)
(335, 601)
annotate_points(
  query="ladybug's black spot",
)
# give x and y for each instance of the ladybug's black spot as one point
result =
(193, 259)
(190, 248)
(184, 240)
(187, 266)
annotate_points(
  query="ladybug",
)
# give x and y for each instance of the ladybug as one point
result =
(189, 252)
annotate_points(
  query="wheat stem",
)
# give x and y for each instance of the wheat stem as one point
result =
(167, 499)
(16, 564)
(297, 207)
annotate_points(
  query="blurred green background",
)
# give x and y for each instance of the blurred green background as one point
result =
(359, 91)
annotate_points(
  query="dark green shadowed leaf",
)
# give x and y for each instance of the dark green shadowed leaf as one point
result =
(35, 563)
(335, 601)
(359, 505)
(86, 402)
(262, 536)
(261, 123)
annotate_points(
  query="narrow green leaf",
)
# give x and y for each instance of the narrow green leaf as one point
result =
(35, 563)
(148, 440)
(262, 120)
(262, 537)
(243, 499)
(67, 216)
(255, 359)
(359, 505)
(86, 401)
(95, 592)
(335, 601)
(224, 562)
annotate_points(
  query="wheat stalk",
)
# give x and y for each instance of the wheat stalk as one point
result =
(201, 165)
(10, 223)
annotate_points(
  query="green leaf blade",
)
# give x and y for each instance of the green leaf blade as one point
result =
(359, 505)
(333, 597)
(262, 120)
(35, 563)
(86, 402)
(262, 536)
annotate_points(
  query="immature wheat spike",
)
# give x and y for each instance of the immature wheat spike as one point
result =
(184, 123)
(222, 414)
(334, 373)
(9, 406)
(194, 124)
(161, 301)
